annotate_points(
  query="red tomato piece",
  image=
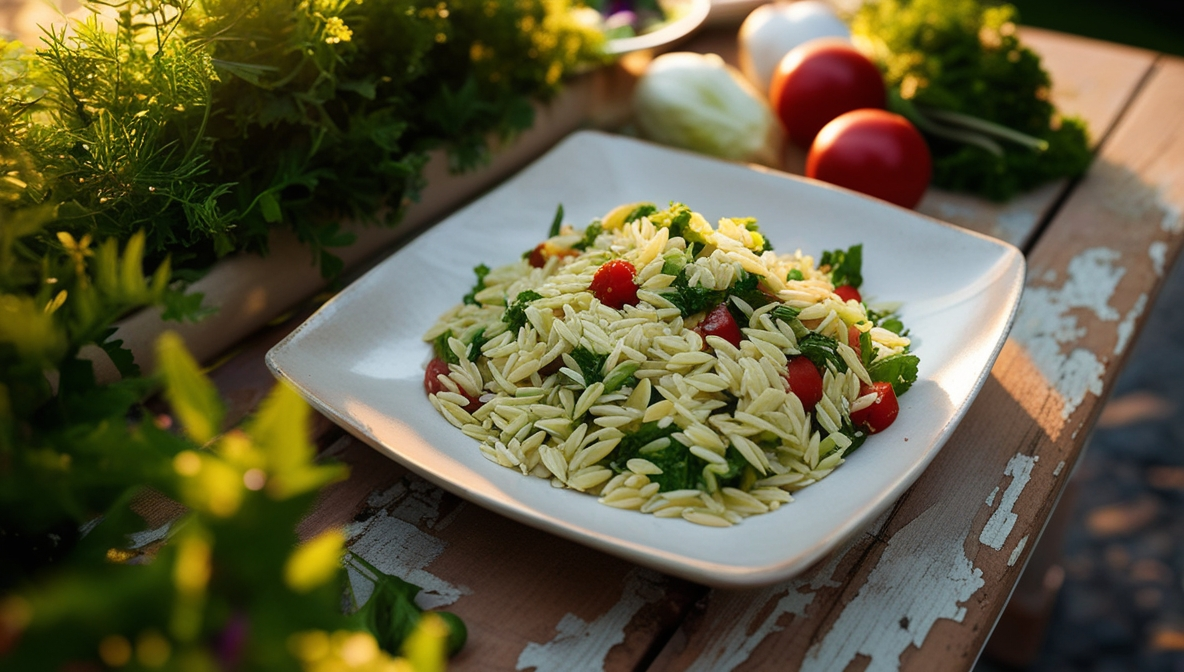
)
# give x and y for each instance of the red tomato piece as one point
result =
(878, 415)
(875, 152)
(804, 381)
(432, 385)
(613, 284)
(853, 334)
(719, 322)
(819, 80)
(847, 293)
(537, 258)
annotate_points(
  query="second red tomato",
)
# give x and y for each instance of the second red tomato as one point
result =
(875, 152)
(819, 80)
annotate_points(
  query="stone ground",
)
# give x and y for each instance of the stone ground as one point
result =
(1121, 606)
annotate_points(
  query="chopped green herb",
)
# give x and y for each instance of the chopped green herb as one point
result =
(557, 222)
(821, 349)
(945, 60)
(482, 270)
(680, 468)
(690, 300)
(476, 344)
(785, 313)
(621, 376)
(795, 274)
(594, 229)
(515, 315)
(591, 365)
(643, 210)
(867, 351)
(440, 346)
(899, 370)
(845, 265)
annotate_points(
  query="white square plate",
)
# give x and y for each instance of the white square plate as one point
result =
(360, 359)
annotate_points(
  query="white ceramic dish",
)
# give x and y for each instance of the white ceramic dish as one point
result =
(360, 359)
(691, 14)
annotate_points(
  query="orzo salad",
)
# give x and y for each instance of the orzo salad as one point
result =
(668, 366)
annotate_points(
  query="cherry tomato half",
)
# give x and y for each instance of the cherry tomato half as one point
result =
(878, 415)
(719, 322)
(848, 293)
(804, 381)
(537, 257)
(614, 285)
(432, 385)
(853, 334)
(819, 80)
(873, 151)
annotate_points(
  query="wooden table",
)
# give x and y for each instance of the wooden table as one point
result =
(923, 587)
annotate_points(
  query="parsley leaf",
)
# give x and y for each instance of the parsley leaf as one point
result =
(591, 364)
(440, 346)
(784, 313)
(680, 468)
(845, 265)
(821, 349)
(476, 344)
(867, 352)
(481, 271)
(690, 300)
(594, 229)
(515, 315)
(899, 370)
(643, 210)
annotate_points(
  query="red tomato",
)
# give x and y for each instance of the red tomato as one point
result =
(877, 416)
(853, 333)
(804, 381)
(847, 293)
(873, 151)
(432, 385)
(719, 322)
(819, 80)
(613, 284)
(537, 258)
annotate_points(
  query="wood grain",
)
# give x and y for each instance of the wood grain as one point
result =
(960, 537)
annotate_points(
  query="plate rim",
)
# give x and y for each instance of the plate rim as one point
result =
(1011, 260)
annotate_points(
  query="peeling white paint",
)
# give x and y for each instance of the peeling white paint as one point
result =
(1050, 276)
(1173, 220)
(393, 542)
(1003, 520)
(1015, 554)
(1059, 469)
(729, 648)
(138, 540)
(922, 576)
(580, 645)
(1044, 324)
(991, 497)
(1158, 251)
(1126, 328)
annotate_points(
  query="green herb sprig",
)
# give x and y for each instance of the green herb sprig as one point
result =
(958, 70)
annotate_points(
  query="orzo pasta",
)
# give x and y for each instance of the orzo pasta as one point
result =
(670, 367)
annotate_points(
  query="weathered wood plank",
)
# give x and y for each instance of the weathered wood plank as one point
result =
(928, 597)
(530, 599)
